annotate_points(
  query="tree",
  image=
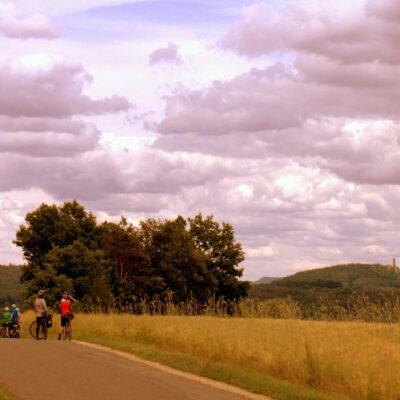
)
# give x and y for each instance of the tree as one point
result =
(223, 255)
(62, 245)
(179, 263)
(87, 269)
(121, 242)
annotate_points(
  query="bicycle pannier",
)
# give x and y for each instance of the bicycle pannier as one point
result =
(49, 320)
(69, 316)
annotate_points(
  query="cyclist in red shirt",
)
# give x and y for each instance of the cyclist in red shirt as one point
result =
(65, 307)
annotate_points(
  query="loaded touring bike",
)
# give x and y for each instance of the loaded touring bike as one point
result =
(11, 331)
(67, 332)
(46, 322)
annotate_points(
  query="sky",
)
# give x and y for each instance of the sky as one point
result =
(279, 117)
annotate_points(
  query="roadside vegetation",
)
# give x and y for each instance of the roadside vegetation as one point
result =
(4, 395)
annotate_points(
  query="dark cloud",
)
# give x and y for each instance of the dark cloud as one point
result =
(50, 143)
(55, 92)
(169, 54)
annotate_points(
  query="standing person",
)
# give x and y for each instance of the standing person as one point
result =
(40, 308)
(19, 321)
(14, 318)
(65, 307)
(6, 321)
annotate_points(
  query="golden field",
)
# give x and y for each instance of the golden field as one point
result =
(353, 359)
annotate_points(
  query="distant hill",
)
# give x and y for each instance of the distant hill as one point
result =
(337, 281)
(352, 276)
(10, 286)
(265, 279)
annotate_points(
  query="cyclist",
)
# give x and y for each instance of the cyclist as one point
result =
(6, 321)
(40, 310)
(14, 319)
(65, 307)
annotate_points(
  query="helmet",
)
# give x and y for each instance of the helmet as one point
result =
(14, 306)
(6, 309)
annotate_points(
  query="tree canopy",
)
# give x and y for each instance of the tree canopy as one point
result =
(117, 264)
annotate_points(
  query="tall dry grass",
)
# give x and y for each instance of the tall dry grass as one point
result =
(360, 360)
(358, 307)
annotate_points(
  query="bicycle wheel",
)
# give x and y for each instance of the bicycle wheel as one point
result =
(69, 331)
(42, 333)
(67, 334)
(32, 331)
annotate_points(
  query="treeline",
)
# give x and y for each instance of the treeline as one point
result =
(117, 265)
(328, 299)
(10, 286)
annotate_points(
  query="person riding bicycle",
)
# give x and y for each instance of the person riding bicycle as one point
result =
(65, 307)
(14, 319)
(40, 310)
(6, 320)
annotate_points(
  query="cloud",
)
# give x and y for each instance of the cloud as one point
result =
(298, 149)
(48, 143)
(278, 97)
(375, 250)
(363, 34)
(385, 9)
(36, 25)
(169, 54)
(54, 91)
(98, 174)
(260, 252)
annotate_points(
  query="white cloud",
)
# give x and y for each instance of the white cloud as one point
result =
(260, 252)
(36, 25)
(375, 250)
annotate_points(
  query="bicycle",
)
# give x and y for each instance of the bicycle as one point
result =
(15, 334)
(67, 333)
(42, 335)
(5, 332)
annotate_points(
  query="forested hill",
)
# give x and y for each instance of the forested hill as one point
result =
(10, 286)
(352, 276)
(265, 279)
(337, 282)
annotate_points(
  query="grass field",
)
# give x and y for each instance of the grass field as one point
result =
(350, 359)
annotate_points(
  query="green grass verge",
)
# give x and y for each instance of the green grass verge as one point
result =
(243, 378)
(4, 395)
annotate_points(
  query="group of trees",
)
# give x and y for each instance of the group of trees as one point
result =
(116, 264)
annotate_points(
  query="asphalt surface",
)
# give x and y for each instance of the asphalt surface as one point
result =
(49, 370)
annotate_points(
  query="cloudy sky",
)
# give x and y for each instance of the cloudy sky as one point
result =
(281, 118)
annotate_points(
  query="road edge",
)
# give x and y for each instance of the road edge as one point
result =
(200, 379)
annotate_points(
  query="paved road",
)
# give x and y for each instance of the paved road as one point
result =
(39, 370)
